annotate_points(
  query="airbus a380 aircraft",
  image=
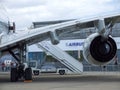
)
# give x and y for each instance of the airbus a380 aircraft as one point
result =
(99, 48)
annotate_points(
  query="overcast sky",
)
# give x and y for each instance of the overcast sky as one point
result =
(24, 12)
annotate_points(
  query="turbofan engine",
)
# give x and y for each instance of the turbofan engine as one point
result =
(99, 51)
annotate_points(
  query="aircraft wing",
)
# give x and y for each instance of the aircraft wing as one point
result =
(36, 35)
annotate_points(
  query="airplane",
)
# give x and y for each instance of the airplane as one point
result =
(99, 48)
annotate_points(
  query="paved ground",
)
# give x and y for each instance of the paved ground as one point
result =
(86, 81)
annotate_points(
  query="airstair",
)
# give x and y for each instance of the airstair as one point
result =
(71, 63)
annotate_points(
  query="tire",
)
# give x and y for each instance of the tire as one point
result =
(36, 72)
(13, 75)
(61, 72)
(28, 74)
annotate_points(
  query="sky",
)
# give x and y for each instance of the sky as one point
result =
(24, 12)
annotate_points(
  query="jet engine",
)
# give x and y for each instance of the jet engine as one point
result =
(99, 51)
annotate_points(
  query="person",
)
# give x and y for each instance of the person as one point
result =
(3, 67)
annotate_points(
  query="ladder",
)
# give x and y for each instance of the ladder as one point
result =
(71, 63)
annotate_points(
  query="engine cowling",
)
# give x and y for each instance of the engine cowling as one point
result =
(98, 51)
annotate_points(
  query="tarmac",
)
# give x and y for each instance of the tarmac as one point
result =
(84, 81)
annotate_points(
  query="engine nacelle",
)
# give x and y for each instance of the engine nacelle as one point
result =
(98, 51)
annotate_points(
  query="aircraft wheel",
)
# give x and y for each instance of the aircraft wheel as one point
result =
(13, 75)
(28, 74)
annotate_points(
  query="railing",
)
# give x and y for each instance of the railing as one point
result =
(71, 63)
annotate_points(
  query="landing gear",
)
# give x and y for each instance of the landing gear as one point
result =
(20, 73)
